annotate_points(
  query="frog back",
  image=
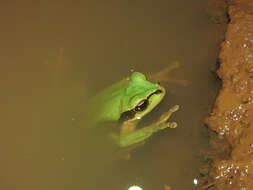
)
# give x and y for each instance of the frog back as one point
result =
(106, 105)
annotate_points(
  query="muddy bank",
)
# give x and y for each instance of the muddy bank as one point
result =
(231, 119)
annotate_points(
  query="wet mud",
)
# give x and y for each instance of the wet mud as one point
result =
(230, 157)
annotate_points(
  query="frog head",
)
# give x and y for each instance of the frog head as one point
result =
(141, 96)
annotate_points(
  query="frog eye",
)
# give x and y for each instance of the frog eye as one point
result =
(142, 105)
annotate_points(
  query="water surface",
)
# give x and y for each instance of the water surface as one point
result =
(55, 55)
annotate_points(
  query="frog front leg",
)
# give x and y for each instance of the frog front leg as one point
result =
(129, 135)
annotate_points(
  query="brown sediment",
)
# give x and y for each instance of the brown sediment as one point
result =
(231, 156)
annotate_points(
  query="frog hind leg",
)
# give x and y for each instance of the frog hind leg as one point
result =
(162, 76)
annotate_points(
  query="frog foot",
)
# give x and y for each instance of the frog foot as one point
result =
(167, 114)
(171, 125)
(162, 122)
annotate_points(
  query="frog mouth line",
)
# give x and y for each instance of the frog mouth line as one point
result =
(127, 115)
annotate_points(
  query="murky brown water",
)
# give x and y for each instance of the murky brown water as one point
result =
(55, 55)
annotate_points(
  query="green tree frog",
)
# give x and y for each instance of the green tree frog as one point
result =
(127, 102)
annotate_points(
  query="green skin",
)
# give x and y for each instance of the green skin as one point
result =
(123, 96)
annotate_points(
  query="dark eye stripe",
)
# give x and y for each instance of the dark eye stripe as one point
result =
(127, 115)
(142, 105)
(156, 92)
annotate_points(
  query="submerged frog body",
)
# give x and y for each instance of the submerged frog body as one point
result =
(126, 102)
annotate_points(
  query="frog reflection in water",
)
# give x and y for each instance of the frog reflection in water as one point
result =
(126, 102)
